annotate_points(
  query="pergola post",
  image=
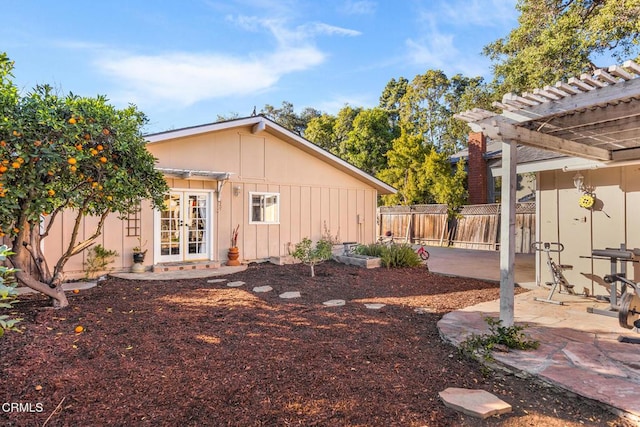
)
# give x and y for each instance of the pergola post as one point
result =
(508, 231)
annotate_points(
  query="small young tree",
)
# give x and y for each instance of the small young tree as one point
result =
(312, 255)
(73, 154)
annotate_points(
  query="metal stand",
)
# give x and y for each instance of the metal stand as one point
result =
(615, 256)
(555, 270)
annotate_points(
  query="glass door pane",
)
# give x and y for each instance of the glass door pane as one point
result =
(171, 228)
(196, 215)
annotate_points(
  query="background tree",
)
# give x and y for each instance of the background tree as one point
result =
(557, 39)
(73, 154)
(368, 141)
(320, 131)
(287, 117)
(404, 171)
(391, 98)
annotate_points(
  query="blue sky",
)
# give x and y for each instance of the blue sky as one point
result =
(185, 62)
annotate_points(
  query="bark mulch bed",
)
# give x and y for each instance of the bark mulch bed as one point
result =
(192, 353)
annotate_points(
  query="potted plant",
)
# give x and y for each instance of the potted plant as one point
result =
(234, 253)
(138, 253)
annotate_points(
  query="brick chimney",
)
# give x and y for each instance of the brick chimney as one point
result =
(477, 167)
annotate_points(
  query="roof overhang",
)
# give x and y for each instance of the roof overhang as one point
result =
(595, 117)
(258, 124)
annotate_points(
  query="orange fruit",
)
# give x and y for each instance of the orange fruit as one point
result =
(15, 165)
(76, 291)
(72, 121)
(3, 143)
(103, 159)
(78, 147)
(37, 143)
(3, 168)
(87, 136)
(20, 160)
(100, 147)
(105, 131)
(73, 168)
(93, 151)
(79, 329)
(72, 161)
(51, 192)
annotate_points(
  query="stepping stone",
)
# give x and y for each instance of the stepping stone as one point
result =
(289, 295)
(476, 403)
(236, 284)
(374, 306)
(424, 310)
(216, 280)
(334, 303)
(262, 289)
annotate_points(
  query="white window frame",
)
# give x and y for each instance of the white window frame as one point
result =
(264, 195)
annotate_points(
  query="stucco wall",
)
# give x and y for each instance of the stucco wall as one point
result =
(614, 220)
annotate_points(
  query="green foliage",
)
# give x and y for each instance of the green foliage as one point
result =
(444, 184)
(98, 260)
(393, 255)
(557, 39)
(68, 153)
(509, 336)
(311, 255)
(368, 141)
(8, 292)
(287, 118)
(405, 171)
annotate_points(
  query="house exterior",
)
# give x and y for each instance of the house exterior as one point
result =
(250, 173)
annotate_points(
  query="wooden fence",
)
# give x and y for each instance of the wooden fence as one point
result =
(477, 226)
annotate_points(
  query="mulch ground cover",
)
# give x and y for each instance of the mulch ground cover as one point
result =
(193, 353)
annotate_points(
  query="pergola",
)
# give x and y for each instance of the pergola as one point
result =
(596, 117)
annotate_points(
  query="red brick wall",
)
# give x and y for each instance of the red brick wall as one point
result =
(477, 166)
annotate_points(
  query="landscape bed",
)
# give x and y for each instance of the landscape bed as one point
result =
(189, 352)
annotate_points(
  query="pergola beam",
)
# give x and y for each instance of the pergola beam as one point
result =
(500, 130)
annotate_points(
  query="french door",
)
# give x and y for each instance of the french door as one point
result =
(185, 227)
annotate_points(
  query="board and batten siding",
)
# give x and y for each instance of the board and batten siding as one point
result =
(313, 193)
(614, 220)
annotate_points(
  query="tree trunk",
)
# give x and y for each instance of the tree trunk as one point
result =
(56, 293)
(36, 276)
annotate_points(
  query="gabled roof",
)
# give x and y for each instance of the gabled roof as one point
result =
(596, 116)
(262, 124)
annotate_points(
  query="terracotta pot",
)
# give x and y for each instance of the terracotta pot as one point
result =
(233, 256)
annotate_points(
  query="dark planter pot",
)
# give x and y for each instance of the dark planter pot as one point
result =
(138, 257)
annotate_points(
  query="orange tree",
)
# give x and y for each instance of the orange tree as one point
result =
(70, 154)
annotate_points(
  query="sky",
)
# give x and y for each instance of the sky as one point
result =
(186, 62)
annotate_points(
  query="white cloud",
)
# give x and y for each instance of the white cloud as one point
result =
(185, 79)
(362, 7)
(434, 49)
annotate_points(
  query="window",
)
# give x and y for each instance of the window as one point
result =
(264, 208)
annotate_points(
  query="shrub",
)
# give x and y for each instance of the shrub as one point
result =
(312, 255)
(8, 292)
(392, 255)
(98, 259)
